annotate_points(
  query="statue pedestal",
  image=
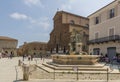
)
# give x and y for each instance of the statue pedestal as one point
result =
(78, 47)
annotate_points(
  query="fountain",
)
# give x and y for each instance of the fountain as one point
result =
(76, 55)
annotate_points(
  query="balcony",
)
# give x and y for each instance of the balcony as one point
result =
(105, 39)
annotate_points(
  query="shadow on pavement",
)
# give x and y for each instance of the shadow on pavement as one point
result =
(18, 80)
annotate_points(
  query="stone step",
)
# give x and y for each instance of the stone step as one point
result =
(72, 68)
(43, 67)
(81, 66)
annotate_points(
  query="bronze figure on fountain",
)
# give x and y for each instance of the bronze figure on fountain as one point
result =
(76, 43)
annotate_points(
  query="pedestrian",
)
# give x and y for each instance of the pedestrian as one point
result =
(8, 55)
(11, 56)
(41, 57)
(0, 55)
(23, 57)
(29, 57)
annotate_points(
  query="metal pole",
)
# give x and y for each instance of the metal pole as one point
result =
(77, 74)
(107, 75)
(16, 72)
(54, 73)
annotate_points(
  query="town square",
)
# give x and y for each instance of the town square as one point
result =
(70, 41)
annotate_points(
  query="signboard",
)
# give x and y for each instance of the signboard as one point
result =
(75, 68)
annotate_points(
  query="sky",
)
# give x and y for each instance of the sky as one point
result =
(32, 20)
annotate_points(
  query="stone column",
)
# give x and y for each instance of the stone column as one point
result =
(25, 72)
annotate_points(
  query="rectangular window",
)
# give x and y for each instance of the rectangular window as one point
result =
(96, 35)
(111, 31)
(60, 37)
(111, 13)
(97, 20)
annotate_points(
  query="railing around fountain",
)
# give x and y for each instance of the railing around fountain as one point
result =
(75, 74)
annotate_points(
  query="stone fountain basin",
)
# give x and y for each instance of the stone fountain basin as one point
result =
(75, 59)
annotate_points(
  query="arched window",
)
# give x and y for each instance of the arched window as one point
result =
(34, 53)
(34, 48)
(87, 25)
(40, 48)
(72, 22)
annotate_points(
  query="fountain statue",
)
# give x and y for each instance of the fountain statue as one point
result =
(77, 55)
(76, 43)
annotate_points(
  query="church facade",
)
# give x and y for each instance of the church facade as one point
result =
(64, 24)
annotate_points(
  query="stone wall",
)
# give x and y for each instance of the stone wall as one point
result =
(41, 74)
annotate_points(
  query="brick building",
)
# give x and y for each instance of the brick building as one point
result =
(64, 24)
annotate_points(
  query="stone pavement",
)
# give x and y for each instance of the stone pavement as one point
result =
(8, 69)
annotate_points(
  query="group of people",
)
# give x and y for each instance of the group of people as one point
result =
(30, 57)
(6, 55)
(107, 60)
(104, 59)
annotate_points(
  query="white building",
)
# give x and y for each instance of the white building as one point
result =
(104, 30)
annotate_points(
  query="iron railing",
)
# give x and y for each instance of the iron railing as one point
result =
(105, 39)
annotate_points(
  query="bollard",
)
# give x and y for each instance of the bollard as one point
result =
(19, 63)
(25, 72)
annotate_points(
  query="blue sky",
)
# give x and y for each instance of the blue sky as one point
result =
(32, 20)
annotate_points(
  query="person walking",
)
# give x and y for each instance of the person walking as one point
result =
(23, 57)
(0, 55)
(41, 57)
(29, 57)
(11, 56)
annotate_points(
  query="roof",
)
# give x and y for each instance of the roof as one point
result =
(102, 8)
(70, 14)
(37, 43)
(7, 38)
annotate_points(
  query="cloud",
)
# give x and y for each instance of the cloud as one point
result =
(42, 22)
(33, 3)
(19, 16)
(65, 7)
(81, 6)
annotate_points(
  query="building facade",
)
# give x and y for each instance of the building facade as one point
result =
(64, 24)
(33, 48)
(8, 45)
(104, 30)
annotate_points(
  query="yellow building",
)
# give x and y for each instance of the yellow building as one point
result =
(33, 48)
(8, 45)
